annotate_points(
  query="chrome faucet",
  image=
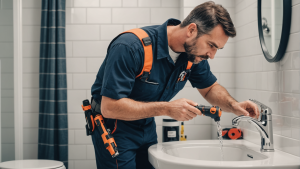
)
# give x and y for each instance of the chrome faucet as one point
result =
(264, 126)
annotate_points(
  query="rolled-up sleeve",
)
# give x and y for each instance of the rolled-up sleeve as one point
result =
(120, 71)
(201, 76)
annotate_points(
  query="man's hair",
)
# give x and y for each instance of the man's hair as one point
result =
(207, 16)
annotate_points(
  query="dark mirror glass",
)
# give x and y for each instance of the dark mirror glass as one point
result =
(274, 19)
(272, 14)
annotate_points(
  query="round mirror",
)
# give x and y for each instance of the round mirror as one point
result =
(274, 21)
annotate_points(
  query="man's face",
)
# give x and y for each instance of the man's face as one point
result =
(205, 46)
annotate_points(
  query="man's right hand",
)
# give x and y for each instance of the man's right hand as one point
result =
(183, 110)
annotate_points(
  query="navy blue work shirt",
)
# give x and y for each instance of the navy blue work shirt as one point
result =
(116, 78)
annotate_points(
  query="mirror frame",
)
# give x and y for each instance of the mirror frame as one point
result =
(285, 32)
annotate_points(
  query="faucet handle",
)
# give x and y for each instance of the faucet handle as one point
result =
(265, 109)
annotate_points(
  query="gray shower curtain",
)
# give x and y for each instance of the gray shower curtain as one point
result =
(53, 118)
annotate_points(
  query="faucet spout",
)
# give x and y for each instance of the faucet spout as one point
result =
(264, 127)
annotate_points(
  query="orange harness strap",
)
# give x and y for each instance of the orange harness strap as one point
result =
(146, 41)
(189, 65)
(148, 54)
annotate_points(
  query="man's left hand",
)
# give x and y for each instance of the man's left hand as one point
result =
(246, 108)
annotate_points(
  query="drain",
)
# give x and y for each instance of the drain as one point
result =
(250, 156)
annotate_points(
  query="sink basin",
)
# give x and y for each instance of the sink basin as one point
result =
(212, 152)
(206, 154)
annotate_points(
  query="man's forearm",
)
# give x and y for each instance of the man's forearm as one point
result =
(129, 110)
(219, 96)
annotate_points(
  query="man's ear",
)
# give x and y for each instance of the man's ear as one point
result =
(191, 30)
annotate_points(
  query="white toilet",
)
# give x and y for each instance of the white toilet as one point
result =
(32, 164)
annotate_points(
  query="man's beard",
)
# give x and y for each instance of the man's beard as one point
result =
(190, 49)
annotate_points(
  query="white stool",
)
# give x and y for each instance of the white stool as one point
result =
(32, 164)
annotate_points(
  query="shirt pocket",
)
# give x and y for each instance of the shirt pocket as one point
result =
(144, 91)
(179, 85)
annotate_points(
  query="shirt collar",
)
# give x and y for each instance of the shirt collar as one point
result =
(162, 40)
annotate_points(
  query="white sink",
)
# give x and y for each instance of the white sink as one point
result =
(212, 152)
(206, 154)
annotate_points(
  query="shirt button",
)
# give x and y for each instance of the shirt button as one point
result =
(167, 87)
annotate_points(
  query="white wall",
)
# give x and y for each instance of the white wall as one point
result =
(7, 75)
(31, 41)
(274, 84)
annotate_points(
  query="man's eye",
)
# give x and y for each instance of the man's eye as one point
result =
(211, 45)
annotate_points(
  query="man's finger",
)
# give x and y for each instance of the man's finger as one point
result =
(191, 102)
(255, 109)
(194, 110)
(187, 117)
(258, 113)
(245, 112)
(192, 114)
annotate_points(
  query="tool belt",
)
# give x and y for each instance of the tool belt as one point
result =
(90, 116)
(96, 107)
(95, 120)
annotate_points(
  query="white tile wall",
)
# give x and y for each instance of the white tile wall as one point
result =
(93, 64)
(34, 4)
(82, 32)
(131, 15)
(8, 152)
(5, 17)
(113, 30)
(30, 151)
(88, 164)
(149, 3)
(31, 16)
(90, 48)
(31, 33)
(77, 152)
(30, 49)
(277, 84)
(7, 88)
(111, 3)
(84, 3)
(170, 3)
(77, 15)
(160, 15)
(94, 15)
(130, 3)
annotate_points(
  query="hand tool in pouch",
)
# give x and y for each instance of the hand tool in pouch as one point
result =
(91, 120)
(214, 112)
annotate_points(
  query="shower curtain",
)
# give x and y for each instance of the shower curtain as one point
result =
(53, 118)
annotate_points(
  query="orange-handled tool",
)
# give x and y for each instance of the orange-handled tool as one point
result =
(108, 139)
(214, 112)
(91, 119)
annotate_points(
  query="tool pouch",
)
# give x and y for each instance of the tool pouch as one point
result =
(90, 126)
(89, 117)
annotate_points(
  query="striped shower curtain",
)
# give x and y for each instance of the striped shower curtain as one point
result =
(53, 118)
